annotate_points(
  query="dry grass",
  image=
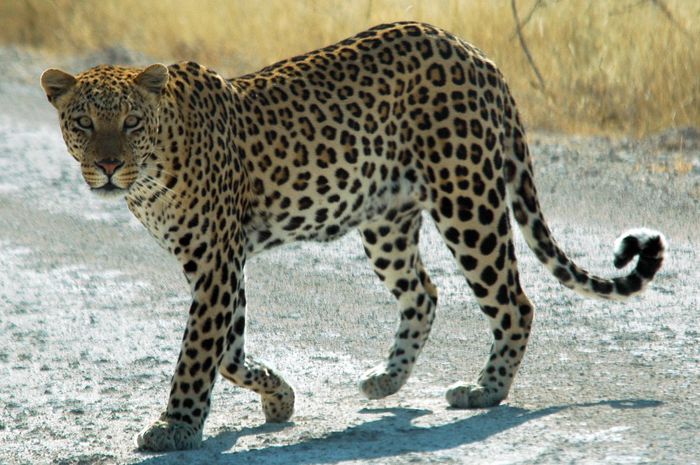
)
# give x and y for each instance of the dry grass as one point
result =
(610, 66)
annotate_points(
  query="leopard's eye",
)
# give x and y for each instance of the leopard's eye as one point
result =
(84, 122)
(131, 122)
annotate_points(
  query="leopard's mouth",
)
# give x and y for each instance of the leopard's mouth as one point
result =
(109, 186)
(109, 190)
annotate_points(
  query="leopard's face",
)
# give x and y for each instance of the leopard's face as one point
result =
(109, 120)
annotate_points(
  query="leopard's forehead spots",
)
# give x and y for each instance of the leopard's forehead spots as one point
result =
(108, 88)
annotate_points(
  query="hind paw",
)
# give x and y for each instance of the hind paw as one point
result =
(461, 395)
(377, 383)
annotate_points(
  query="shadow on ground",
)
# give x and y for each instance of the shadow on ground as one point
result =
(389, 436)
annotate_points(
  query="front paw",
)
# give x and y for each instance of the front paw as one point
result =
(169, 434)
(279, 406)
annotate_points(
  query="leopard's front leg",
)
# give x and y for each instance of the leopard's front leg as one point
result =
(276, 396)
(217, 289)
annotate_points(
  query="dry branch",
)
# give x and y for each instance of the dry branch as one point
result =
(661, 5)
(523, 44)
(527, 19)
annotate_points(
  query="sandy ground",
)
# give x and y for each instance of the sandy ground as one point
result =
(91, 315)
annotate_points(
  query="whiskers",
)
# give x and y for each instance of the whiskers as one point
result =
(149, 187)
(157, 172)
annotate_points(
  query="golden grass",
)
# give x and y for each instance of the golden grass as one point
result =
(609, 66)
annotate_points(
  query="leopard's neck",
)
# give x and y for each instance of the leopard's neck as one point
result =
(186, 170)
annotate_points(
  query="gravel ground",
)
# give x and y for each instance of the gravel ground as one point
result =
(92, 311)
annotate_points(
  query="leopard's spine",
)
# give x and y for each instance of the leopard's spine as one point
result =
(647, 244)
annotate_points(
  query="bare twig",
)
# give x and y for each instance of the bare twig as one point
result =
(627, 8)
(518, 30)
(661, 5)
(528, 17)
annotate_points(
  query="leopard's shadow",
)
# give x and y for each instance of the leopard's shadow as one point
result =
(391, 435)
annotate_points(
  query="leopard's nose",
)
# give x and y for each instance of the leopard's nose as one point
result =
(109, 166)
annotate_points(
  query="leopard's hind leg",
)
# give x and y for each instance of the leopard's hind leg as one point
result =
(391, 243)
(482, 244)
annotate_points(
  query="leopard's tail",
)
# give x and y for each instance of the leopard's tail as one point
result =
(647, 244)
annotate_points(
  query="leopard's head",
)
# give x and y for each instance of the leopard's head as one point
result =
(109, 119)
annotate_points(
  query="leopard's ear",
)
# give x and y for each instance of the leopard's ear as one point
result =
(153, 79)
(57, 83)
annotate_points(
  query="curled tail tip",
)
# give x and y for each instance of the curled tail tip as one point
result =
(649, 244)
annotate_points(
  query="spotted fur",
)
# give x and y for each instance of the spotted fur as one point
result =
(365, 134)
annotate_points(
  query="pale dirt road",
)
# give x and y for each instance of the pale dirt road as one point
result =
(91, 314)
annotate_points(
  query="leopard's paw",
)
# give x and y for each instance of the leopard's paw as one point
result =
(461, 395)
(279, 406)
(378, 383)
(168, 434)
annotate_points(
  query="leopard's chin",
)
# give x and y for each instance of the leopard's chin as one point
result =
(109, 191)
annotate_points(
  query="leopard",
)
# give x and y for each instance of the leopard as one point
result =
(374, 133)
